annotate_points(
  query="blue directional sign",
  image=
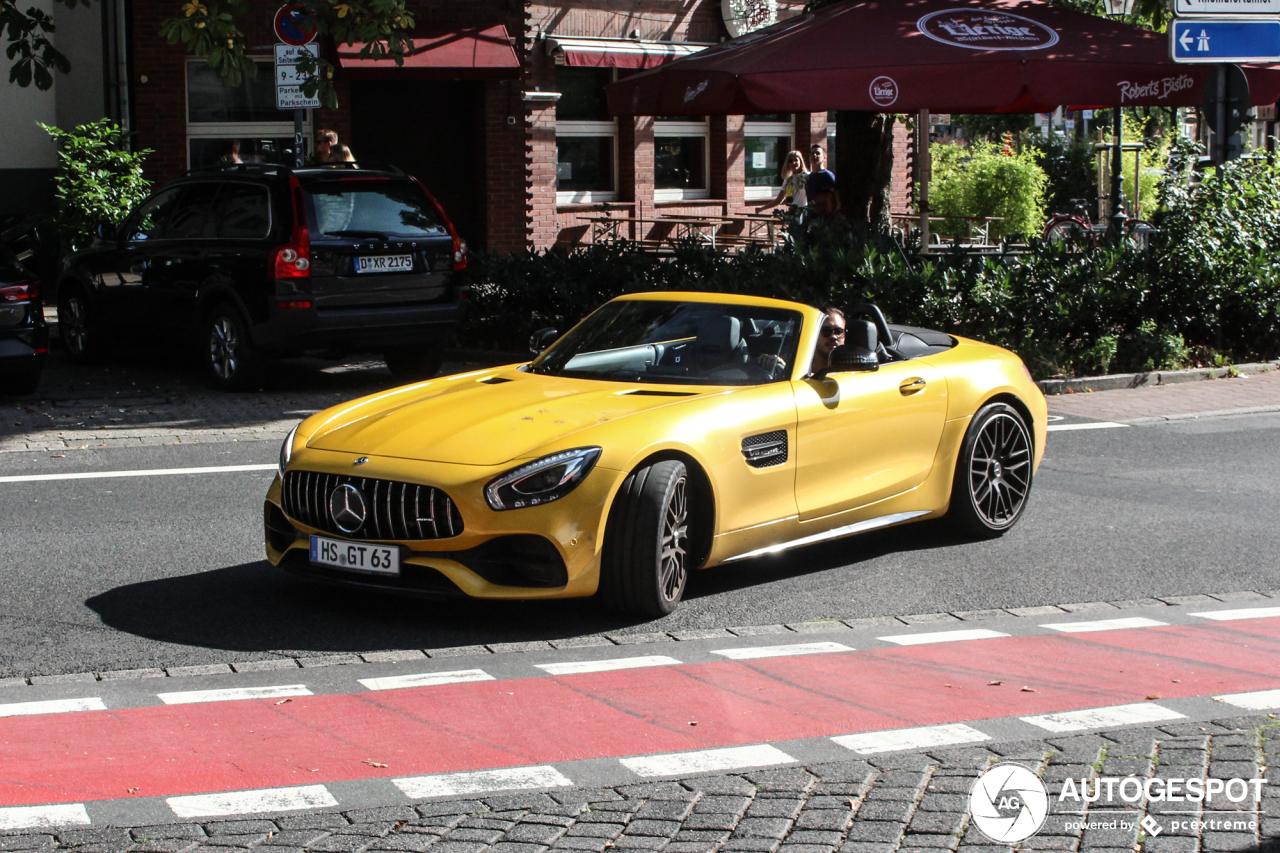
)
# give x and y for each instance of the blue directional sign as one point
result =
(1221, 40)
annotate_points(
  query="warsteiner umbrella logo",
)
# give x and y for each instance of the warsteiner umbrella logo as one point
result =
(1009, 803)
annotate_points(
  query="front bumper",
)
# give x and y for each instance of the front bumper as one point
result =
(547, 551)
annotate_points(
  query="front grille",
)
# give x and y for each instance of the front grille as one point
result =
(393, 510)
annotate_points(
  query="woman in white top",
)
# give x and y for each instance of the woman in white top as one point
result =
(794, 175)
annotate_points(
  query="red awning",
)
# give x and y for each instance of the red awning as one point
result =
(981, 56)
(442, 51)
(618, 53)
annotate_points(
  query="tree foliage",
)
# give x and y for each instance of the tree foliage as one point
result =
(30, 49)
(98, 180)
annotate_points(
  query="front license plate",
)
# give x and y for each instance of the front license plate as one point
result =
(355, 556)
(384, 263)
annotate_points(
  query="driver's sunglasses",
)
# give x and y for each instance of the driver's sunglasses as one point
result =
(832, 331)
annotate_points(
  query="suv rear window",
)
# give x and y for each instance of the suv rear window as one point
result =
(356, 208)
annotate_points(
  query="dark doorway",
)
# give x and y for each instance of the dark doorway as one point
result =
(433, 129)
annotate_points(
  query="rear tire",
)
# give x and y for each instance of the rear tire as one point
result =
(993, 474)
(230, 359)
(646, 560)
(414, 365)
(78, 326)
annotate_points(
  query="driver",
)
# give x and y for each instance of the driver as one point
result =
(830, 336)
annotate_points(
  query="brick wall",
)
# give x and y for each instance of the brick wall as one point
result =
(900, 187)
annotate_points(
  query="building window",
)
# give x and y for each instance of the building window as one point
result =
(586, 137)
(231, 124)
(767, 139)
(680, 146)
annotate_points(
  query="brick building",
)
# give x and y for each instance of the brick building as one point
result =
(500, 111)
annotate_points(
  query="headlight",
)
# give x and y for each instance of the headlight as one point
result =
(543, 480)
(286, 449)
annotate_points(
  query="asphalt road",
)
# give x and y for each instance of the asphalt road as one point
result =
(151, 571)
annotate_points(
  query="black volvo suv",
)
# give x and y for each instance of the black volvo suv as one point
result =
(251, 260)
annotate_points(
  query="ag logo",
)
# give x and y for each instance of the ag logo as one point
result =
(883, 91)
(1009, 803)
(982, 30)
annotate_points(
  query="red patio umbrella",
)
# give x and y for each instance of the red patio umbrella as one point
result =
(985, 56)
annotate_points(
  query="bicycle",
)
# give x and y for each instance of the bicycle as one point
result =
(1078, 227)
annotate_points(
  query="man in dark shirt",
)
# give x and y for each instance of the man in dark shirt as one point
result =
(818, 157)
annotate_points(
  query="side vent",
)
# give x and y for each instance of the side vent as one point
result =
(765, 450)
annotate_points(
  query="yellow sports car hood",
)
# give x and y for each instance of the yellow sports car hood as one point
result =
(484, 418)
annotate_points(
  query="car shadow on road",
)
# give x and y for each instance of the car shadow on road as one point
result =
(253, 607)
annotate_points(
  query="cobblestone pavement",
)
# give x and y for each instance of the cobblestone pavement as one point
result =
(133, 400)
(1135, 405)
(906, 802)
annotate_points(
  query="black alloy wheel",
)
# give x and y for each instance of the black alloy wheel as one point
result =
(77, 327)
(993, 473)
(646, 560)
(230, 358)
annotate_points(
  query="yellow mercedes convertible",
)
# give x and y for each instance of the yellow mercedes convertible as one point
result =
(666, 432)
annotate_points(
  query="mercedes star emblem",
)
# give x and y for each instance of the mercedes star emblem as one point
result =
(361, 460)
(347, 508)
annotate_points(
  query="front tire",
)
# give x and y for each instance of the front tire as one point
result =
(414, 365)
(230, 359)
(647, 557)
(993, 474)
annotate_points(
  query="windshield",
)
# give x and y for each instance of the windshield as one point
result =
(356, 208)
(686, 343)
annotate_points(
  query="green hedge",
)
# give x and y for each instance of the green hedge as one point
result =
(1207, 289)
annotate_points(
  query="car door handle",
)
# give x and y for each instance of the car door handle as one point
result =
(911, 386)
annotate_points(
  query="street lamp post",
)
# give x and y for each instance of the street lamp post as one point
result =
(1118, 10)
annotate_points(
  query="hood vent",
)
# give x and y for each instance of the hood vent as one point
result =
(494, 380)
(645, 392)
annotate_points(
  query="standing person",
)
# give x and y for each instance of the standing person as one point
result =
(818, 157)
(325, 140)
(794, 176)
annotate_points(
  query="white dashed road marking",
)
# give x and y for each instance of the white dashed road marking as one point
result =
(52, 706)
(781, 651)
(1101, 718)
(707, 760)
(1232, 615)
(253, 802)
(39, 817)
(189, 697)
(426, 679)
(1104, 625)
(1096, 425)
(482, 781)
(579, 667)
(868, 743)
(152, 472)
(1261, 700)
(943, 637)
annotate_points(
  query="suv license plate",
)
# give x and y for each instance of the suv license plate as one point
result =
(384, 263)
(355, 556)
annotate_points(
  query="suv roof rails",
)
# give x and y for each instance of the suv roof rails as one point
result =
(280, 169)
(356, 164)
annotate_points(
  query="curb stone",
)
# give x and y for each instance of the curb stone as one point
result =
(682, 635)
(1119, 381)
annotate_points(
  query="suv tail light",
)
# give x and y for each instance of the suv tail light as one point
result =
(459, 245)
(20, 292)
(293, 260)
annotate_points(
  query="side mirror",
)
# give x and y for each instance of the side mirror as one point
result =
(853, 358)
(542, 339)
(105, 231)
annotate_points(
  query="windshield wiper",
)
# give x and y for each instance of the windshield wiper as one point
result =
(381, 235)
